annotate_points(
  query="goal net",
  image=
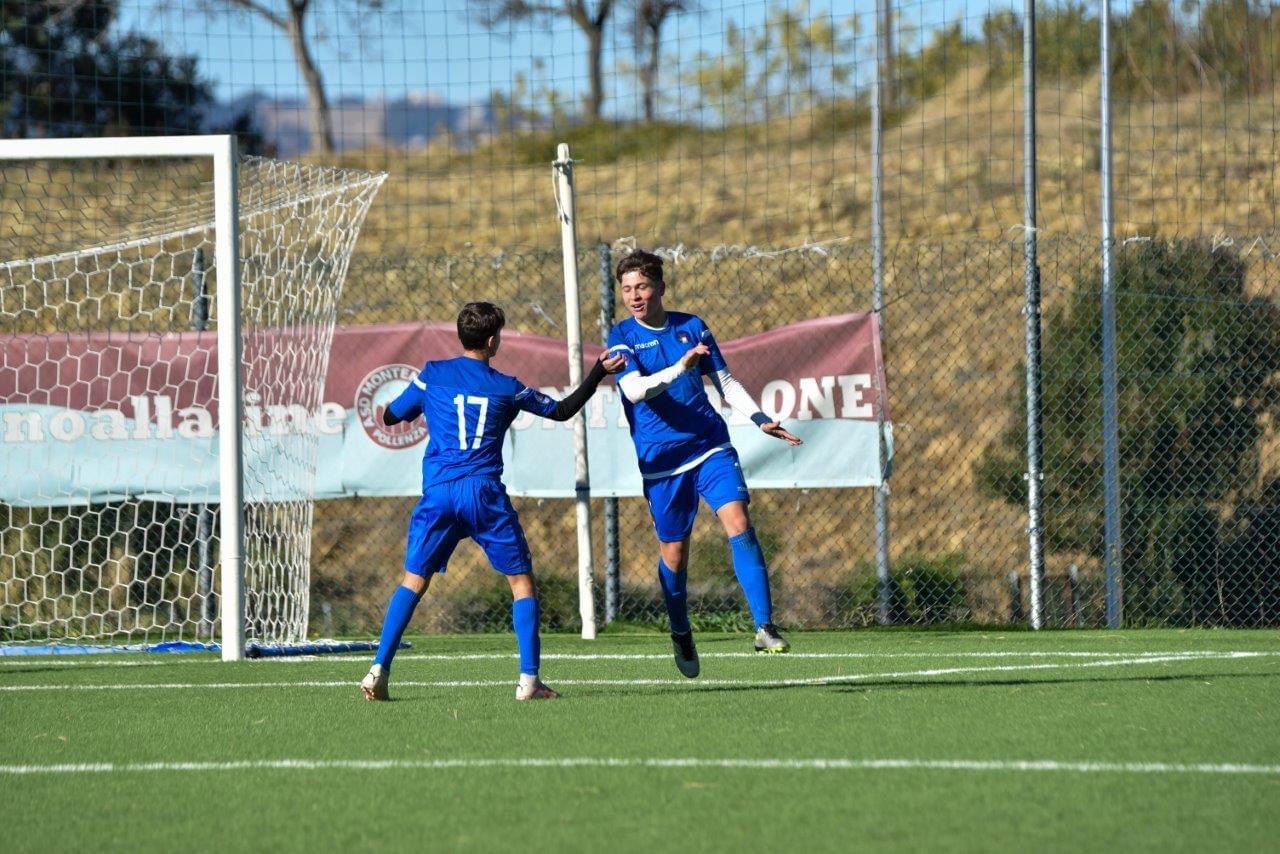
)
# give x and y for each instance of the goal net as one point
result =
(115, 307)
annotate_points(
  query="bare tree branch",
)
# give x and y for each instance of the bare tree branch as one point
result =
(646, 32)
(290, 17)
(260, 10)
(591, 20)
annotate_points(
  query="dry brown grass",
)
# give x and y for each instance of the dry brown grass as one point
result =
(953, 168)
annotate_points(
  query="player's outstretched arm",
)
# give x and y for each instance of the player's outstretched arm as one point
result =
(407, 405)
(569, 407)
(638, 387)
(740, 399)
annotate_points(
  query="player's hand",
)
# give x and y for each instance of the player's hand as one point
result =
(690, 359)
(612, 364)
(774, 429)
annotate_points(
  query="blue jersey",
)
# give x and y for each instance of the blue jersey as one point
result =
(679, 428)
(468, 407)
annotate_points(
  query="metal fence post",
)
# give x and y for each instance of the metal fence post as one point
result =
(1015, 596)
(1031, 310)
(1074, 609)
(611, 561)
(883, 567)
(1110, 426)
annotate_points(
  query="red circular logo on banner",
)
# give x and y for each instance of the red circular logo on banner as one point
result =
(374, 394)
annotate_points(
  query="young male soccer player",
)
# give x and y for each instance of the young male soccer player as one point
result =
(469, 406)
(683, 447)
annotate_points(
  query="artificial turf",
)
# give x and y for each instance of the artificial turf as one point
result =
(1145, 740)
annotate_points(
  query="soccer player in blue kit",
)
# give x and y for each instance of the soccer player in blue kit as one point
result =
(683, 447)
(469, 406)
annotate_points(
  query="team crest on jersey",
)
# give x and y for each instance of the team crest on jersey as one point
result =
(683, 337)
(374, 394)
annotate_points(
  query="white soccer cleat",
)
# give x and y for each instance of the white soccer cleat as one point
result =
(531, 688)
(768, 639)
(374, 684)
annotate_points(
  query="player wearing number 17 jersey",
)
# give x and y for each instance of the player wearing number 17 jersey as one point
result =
(468, 407)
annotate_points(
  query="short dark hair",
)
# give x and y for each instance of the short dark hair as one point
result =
(478, 322)
(645, 262)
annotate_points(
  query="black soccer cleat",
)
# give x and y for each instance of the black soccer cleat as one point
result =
(686, 654)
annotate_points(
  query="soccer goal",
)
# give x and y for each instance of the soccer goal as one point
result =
(154, 291)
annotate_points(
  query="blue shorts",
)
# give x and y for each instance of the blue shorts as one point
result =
(673, 500)
(475, 507)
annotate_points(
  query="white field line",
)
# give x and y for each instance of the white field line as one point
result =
(836, 679)
(837, 764)
(90, 661)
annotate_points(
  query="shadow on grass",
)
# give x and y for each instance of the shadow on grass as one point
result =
(864, 686)
(1022, 682)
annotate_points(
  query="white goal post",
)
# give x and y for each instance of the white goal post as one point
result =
(93, 273)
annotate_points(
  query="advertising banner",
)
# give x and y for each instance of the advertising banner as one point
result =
(89, 418)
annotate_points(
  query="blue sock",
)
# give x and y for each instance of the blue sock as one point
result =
(753, 575)
(399, 612)
(675, 590)
(524, 619)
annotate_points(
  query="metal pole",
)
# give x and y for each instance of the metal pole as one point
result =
(1110, 425)
(204, 515)
(573, 327)
(611, 557)
(230, 398)
(881, 494)
(885, 70)
(1031, 311)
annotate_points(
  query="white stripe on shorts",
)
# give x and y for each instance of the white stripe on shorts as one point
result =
(693, 463)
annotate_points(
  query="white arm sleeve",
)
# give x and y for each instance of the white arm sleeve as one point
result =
(637, 387)
(735, 394)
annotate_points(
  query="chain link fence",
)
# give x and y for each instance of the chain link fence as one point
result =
(1198, 362)
(1199, 370)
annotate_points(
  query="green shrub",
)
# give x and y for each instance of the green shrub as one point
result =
(1196, 360)
(923, 590)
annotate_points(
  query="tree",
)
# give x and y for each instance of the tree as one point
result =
(63, 73)
(646, 31)
(792, 62)
(721, 78)
(1197, 360)
(802, 49)
(591, 19)
(290, 17)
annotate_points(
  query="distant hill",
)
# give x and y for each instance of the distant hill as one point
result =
(409, 122)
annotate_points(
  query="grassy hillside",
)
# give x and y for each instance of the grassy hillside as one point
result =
(953, 168)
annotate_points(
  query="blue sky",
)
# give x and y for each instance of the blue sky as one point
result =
(436, 46)
(419, 46)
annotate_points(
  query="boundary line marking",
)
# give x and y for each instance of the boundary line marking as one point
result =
(836, 764)
(90, 661)
(814, 681)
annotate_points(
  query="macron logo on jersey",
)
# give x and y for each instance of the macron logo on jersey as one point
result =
(642, 345)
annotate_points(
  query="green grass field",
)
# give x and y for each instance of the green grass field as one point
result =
(1151, 740)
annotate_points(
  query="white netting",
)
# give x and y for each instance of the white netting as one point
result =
(108, 405)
